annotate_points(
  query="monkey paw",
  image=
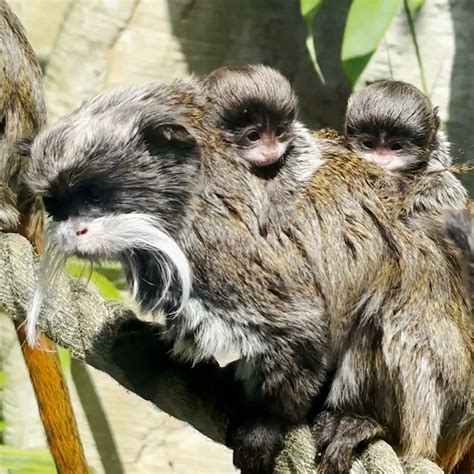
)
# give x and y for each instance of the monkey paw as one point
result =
(340, 437)
(255, 445)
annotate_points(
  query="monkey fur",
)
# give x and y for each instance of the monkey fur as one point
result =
(327, 285)
(22, 113)
(393, 124)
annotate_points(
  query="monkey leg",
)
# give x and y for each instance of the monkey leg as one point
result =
(283, 385)
(340, 437)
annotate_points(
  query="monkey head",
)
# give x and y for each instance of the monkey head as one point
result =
(116, 177)
(392, 124)
(256, 108)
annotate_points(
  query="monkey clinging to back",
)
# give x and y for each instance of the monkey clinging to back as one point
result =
(256, 107)
(394, 125)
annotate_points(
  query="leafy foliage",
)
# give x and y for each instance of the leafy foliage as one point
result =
(366, 24)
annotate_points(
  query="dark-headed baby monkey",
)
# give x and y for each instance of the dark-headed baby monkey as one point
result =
(256, 108)
(394, 125)
(334, 285)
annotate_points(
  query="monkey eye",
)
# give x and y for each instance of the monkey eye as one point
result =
(368, 143)
(397, 146)
(90, 195)
(253, 136)
(280, 131)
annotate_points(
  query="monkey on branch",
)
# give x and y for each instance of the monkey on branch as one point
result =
(256, 237)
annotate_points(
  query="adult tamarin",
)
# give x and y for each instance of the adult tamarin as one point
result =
(333, 283)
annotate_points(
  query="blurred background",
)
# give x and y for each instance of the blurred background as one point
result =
(325, 47)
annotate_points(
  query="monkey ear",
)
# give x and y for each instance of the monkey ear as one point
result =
(23, 146)
(161, 136)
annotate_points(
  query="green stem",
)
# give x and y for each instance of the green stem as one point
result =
(411, 25)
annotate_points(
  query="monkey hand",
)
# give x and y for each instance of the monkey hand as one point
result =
(256, 442)
(140, 353)
(339, 439)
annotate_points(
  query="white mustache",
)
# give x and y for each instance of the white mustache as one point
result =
(107, 237)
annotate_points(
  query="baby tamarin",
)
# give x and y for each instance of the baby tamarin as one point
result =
(394, 125)
(256, 108)
(333, 284)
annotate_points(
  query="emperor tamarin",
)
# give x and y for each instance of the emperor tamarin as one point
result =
(335, 283)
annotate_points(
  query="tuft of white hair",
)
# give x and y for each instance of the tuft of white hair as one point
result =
(52, 262)
(107, 237)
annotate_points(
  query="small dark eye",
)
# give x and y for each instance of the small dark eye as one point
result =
(397, 146)
(280, 131)
(94, 195)
(368, 143)
(90, 195)
(253, 136)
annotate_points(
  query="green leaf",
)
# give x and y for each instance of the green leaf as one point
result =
(2, 426)
(113, 271)
(26, 461)
(415, 5)
(366, 25)
(64, 359)
(309, 8)
(106, 288)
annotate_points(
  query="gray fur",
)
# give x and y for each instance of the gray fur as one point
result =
(327, 280)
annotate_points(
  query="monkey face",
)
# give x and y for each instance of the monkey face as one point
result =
(393, 153)
(264, 146)
(392, 124)
(106, 176)
(115, 177)
(256, 108)
(261, 134)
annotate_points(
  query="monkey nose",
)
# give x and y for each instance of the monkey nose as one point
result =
(268, 157)
(81, 231)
